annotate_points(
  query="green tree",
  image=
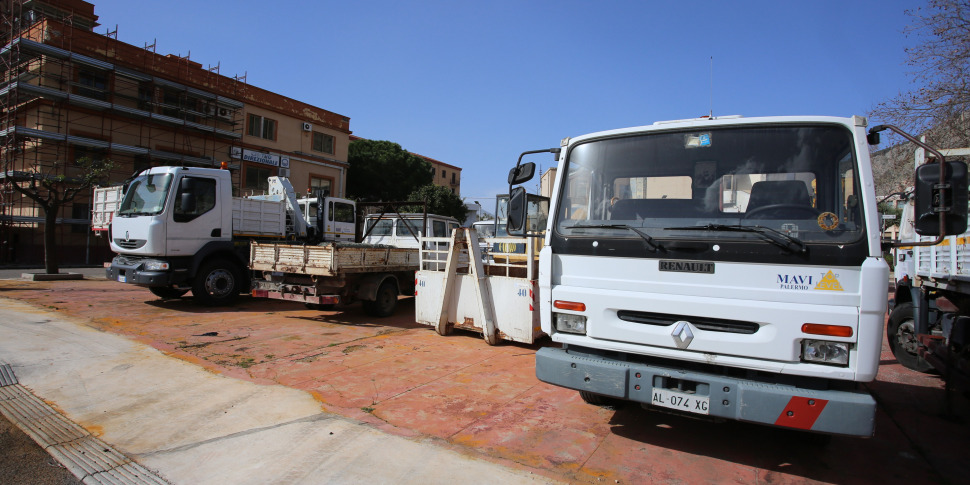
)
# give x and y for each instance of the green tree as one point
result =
(382, 170)
(53, 188)
(440, 201)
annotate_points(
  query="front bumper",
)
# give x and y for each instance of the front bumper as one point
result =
(848, 412)
(131, 271)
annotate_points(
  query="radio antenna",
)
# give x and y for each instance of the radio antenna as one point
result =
(712, 87)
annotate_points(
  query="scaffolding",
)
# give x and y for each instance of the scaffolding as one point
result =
(68, 93)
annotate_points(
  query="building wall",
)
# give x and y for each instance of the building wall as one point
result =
(138, 109)
(445, 175)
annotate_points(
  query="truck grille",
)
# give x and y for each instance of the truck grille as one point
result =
(130, 243)
(702, 323)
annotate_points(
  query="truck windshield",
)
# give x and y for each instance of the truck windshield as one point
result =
(781, 185)
(146, 195)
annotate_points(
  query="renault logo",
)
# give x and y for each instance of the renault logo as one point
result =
(127, 237)
(682, 334)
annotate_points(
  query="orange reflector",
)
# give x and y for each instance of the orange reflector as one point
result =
(831, 330)
(569, 305)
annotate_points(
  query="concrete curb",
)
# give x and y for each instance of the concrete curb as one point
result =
(91, 460)
(52, 277)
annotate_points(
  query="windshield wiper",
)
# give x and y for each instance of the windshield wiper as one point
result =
(774, 236)
(648, 241)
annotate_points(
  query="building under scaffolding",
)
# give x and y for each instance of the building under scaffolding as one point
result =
(67, 93)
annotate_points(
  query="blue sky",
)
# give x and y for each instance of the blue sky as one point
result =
(474, 84)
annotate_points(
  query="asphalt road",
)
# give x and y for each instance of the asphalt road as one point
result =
(23, 462)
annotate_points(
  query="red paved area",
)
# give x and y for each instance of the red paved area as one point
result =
(459, 392)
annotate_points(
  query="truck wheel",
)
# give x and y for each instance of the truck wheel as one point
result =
(599, 400)
(167, 292)
(901, 334)
(216, 283)
(384, 302)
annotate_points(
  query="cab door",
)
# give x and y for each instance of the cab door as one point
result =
(339, 217)
(197, 217)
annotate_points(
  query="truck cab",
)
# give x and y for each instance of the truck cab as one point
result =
(728, 268)
(178, 229)
(173, 211)
(403, 230)
(335, 222)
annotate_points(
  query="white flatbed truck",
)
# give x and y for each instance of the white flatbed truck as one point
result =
(929, 323)
(374, 272)
(719, 267)
(178, 229)
(326, 275)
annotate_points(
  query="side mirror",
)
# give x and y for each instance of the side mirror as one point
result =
(522, 173)
(515, 225)
(187, 185)
(187, 203)
(873, 138)
(930, 199)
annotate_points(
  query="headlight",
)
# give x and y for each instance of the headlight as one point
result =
(570, 323)
(155, 265)
(825, 352)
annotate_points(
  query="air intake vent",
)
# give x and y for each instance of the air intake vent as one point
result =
(130, 243)
(708, 324)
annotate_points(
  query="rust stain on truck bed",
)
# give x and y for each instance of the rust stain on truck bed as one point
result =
(485, 401)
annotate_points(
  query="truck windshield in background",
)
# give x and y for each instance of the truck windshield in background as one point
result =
(146, 195)
(792, 188)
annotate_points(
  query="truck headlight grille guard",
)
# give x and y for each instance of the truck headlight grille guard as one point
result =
(702, 323)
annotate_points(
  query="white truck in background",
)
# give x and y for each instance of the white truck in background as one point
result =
(403, 230)
(179, 229)
(727, 268)
(929, 325)
(105, 203)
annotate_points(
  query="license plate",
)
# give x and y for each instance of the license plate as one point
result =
(690, 403)
(122, 279)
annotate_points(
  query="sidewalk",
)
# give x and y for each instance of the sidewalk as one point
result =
(89, 272)
(188, 425)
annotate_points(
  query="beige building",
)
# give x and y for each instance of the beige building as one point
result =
(69, 93)
(445, 175)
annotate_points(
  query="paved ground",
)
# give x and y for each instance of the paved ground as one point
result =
(186, 425)
(24, 462)
(482, 402)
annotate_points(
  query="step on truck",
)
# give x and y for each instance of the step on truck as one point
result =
(375, 271)
(728, 268)
(179, 229)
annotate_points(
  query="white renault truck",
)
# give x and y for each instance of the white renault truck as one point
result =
(179, 229)
(723, 267)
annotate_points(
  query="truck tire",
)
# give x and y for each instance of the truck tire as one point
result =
(384, 303)
(217, 283)
(167, 292)
(599, 400)
(901, 334)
